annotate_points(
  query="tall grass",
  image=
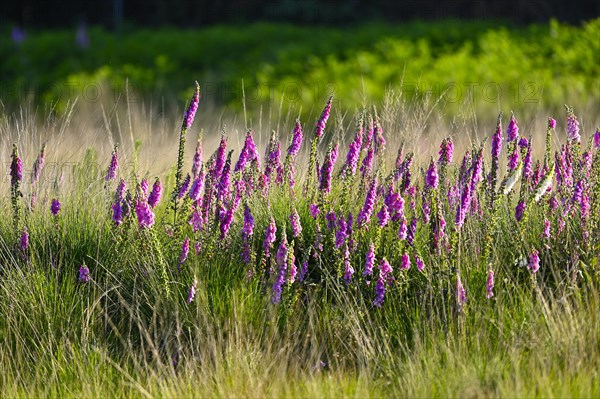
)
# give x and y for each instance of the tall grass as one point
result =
(130, 331)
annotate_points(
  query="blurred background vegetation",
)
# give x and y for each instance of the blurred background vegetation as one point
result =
(493, 55)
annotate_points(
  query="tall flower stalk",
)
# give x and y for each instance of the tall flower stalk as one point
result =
(319, 130)
(16, 176)
(497, 139)
(188, 120)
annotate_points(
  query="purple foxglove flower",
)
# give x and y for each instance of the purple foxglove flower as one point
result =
(385, 276)
(144, 185)
(497, 141)
(117, 216)
(185, 250)
(410, 237)
(405, 262)
(341, 232)
(196, 219)
(280, 173)
(220, 159)
(561, 225)
(246, 256)
(419, 262)
(461, 296)
(303, 271)
(314, 211)
(296, 143)
(197, 160)
(281, 259)
(489, 286)
(585, 206)
(197, 248)
(551, 123)
(38, 165)
(475, 208)
(513, 160)
(464, 168)
(386, 269)
(227, 221)
(295, 223)
(155, 194)
(431, 176)
(553, 202)
(84, 274)
(426, 210)
(24, 240)
(534, 261)
(348, 270)
(578, 192)
(597, 138)
(248, 153)
(528, 164)
(538, 173)
(403, 229)
(354, 151)
(477, 168)
(190, 113)
(248, 228)
(439, 230)
(512, 131)
(586, 162)
(379, 292)
(367, 163)
(573, 126)
(111, 173)
(523, 142)
(144, 214)
(121, 189)
(331, 218)
(269, 237)
(411, 191)
(16, 168)
(370, 262)
(273, 156)
(370, 133)
(291, 175)
(384, 216)
(127, 204)
(197, 186)
(224, 182)
(547, 232)
(192, 292)
(395, 206)
(322, 122)
(364, 215)
(453, 195)
(446, 151)
(55, 206)
(184, 187)
(293, 270)
(520, 210)
(318, 244)
(349, 224)
(463, 207)
(327, 170)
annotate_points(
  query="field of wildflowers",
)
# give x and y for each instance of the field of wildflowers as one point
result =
(314, 266)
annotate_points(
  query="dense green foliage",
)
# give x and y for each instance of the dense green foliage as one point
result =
(540, 65)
